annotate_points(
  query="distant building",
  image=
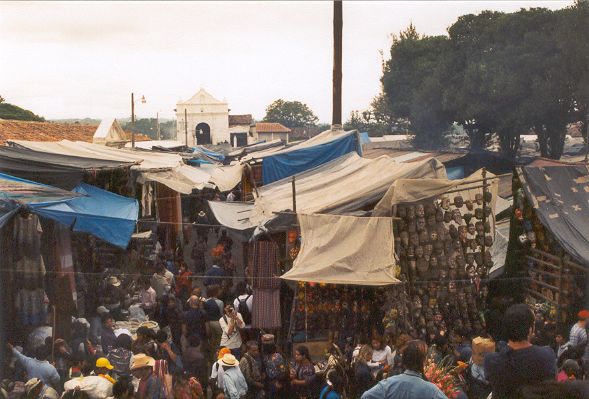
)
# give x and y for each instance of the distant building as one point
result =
(208, 122)
(241, 130)
(270, 131)
(110, 132)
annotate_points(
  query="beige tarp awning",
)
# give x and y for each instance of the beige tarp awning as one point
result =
(345, 250)
(345, 184)
(145, 160)
(225, 177)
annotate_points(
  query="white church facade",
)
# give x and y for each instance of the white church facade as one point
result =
(203, 120)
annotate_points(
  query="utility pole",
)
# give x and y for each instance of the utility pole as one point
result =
(157, 117)
(338, 22)
(185, 127)
(132, 120)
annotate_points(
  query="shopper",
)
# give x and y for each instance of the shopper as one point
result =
(234, 385)
(302, 375)
(250, 367)
(231, 323)
(521, 363)
(411, 383)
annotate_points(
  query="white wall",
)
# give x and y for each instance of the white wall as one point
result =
(215, 115)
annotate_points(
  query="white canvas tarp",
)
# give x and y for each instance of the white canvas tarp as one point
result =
(234, 215)
(345, 250)
(165, 168)
(342, 185)
(225, 177)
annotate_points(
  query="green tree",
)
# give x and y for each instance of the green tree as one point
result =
(413, 82)
(147, 126)
(377, 120)
(13, 112)
(290, 114)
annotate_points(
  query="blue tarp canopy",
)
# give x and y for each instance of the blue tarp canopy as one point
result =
(103, 214)
(285, 164)
(217, 156)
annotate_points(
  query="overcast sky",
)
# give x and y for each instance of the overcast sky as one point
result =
(83, 59)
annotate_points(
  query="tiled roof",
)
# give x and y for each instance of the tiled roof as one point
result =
(271, 127)
(46, 131)
(235, 120)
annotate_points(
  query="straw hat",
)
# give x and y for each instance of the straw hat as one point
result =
(141, 360)
(114, 281)
(229, 360)
(267, 339)
(32, 384)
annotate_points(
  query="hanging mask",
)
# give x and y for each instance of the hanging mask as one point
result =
(458, 201)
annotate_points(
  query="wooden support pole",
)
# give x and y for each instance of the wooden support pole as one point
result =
(338, 23)
(294, 195)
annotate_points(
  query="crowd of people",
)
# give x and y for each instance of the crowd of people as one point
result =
(197, 341)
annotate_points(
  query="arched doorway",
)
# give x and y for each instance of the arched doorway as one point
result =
(203, 134)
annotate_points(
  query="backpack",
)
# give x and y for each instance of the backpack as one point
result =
(242, 308)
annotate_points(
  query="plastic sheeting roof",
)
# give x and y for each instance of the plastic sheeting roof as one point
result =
(345, 184)
(165, 168)
(29, 192)
(287, 163)
(108, 216)
(54, 169)
(560, 197)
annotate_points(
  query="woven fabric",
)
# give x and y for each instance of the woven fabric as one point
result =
(266, 308)
(264, 258)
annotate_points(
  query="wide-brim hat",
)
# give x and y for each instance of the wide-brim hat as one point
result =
(229, 360)
(32, 384)
(267, 339)
(141, 360)
(114, 281)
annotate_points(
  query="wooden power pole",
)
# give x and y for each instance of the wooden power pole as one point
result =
(337, 62)
(132, 120)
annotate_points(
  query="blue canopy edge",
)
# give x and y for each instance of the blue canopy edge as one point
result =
(103, 214)
(280, 166)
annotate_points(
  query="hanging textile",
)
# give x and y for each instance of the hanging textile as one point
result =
(169, 212)
(146, 199)
(264, 258)
(266, 308)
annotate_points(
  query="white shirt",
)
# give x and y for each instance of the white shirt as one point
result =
(230, 197)
(380, 355)
(231, 341)
(249, 303)
(217, 372)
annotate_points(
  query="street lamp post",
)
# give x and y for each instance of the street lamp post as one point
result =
(133, 117)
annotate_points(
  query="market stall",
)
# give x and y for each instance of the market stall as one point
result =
(549, 239)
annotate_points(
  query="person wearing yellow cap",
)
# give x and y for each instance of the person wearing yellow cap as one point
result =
(103, 368)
